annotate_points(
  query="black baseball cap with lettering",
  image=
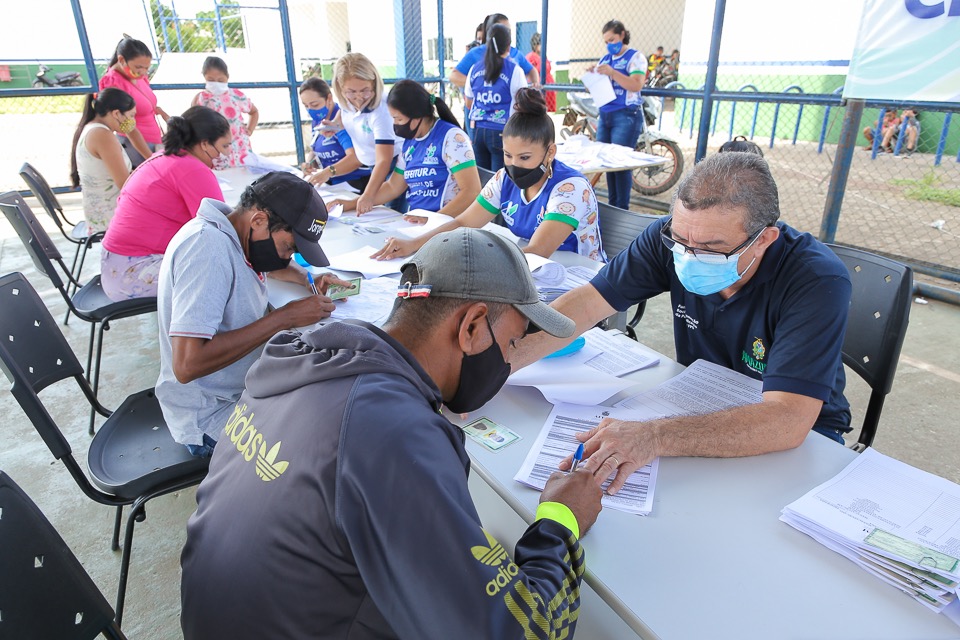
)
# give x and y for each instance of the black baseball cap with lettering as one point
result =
(298, 204)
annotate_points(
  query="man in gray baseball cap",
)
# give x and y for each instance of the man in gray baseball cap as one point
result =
(337, 503)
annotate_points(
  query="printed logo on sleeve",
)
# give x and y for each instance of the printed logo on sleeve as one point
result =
(496, 556)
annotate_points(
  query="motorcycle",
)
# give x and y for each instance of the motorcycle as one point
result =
(582, 116)
(63, 79)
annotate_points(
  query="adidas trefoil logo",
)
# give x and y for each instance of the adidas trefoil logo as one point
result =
(250, 443)
(493, 556)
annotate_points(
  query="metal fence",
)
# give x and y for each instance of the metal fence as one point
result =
(904, 203)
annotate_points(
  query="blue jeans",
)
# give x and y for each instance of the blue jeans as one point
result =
(621, 127)
(488, 148)
(204, 450)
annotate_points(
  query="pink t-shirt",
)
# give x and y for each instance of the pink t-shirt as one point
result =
(143, 95)
(158, 198)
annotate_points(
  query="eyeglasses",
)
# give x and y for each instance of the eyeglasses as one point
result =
(350, 93)
(704, 255)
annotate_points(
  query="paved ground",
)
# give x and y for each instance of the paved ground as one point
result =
(919, 426)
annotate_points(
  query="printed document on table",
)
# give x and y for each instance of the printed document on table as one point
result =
(569, 379)
(373, 304)
(619, 355)
(557, 440)
(361, 262)
(703, 387)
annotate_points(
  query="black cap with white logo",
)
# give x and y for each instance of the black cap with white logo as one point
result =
(298, 204)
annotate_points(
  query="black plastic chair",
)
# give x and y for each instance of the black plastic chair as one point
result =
(89, 302)
(132, 458)
(45, 591)
(618, 229)
(876, 326)
(79, 234)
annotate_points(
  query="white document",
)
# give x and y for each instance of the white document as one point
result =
(576, 276)
(224, 185)
(619, 355)
(600, 87)
(376, 215)
(703, 387)
(373, 304)
(545, 271)
(415, 230)
(261, 164)
(361, 262)
(334, 212)
(557, 440)
(569, 379)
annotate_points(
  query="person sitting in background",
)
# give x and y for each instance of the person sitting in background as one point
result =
(337, 503)
(740, 143)
(459, 75)
(534, 59)
(98, 163)
(334, 159)
(541, 199)
(910, 125)
(891, 121)
(212, 303)
(158, 198)
(127, 70)
(655, 59)
(436, 169)
(489, 95)
(231, 104)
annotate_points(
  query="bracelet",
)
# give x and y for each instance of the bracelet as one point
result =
(333, 170)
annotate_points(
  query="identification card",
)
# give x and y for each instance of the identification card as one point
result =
(339, 291)
(491, 435)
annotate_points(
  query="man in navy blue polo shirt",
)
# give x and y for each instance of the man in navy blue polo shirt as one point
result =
(747, 292)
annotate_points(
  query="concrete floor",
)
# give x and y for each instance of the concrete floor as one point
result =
(919, 426)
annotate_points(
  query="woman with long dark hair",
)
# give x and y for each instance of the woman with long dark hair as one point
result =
(127, 70)
(541, 199)
(436, 169)
(159, 197)
(621, 120)
(98, 164)
(491, 86)
(334, 159)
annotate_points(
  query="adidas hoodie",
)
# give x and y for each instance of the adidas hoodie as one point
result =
(337, 507)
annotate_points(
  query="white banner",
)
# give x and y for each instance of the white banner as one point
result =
(907, 50)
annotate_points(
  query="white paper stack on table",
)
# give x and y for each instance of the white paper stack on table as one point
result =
(373, 304)
(574, 277)
(545, 271)
(897, 522)
(359, 261)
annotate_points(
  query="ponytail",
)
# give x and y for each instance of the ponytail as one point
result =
(97, 104)
(498, 41)
(129, 48)
(530, 121)
(197, 124)
(414, 101)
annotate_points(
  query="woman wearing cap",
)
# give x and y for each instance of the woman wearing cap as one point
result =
(541, 199)
(489, 94)
(127, 70)
(98, 163)
(158, 198)
(436, 169)
(334, 158)
(621, 120)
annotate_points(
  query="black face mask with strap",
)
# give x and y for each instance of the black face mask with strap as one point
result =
(482, 375)
(263, 255)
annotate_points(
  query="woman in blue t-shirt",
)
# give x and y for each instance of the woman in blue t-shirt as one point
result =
(436, 168)
(334, 160)
(491, 86)
(621, 120)
(542, 200)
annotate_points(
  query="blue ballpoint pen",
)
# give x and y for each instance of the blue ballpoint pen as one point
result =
(577, 457)
(312, 285)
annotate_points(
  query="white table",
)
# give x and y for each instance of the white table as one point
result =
(712, 560)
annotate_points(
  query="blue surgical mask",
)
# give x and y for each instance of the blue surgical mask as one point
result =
(614, 47)
(706, 278)
(318, 114)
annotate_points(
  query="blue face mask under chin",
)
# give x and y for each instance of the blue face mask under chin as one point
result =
(614, 47)
(706, 278)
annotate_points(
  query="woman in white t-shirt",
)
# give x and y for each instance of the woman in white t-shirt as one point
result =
(364, 115)
(98, 163)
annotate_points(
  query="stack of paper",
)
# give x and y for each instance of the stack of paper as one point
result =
(703, 387)
(899, 523)
(373, 304)
(431, 221)
(360, 262)
(574, 277)
(261, 164)
(545, 271)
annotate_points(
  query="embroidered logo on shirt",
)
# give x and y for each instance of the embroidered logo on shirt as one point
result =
(251, 444)
(753, 360)
(493, 556)
(508, 209)
(681, 312)
(430, 157)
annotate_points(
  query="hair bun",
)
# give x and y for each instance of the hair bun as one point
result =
(530, 102)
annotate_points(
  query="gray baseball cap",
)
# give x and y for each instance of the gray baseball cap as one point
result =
(479, 265)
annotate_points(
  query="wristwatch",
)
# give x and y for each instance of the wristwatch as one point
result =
(333, 170)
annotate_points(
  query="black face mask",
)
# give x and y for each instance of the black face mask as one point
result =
(406, 131)
(263, 255)
(482, 375)
(524, 177)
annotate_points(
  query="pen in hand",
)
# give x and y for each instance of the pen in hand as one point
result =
(577, 457)
(313, 286)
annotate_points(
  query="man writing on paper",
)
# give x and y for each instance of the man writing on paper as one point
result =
(747, 292)
(212, 299)
(337, 503)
